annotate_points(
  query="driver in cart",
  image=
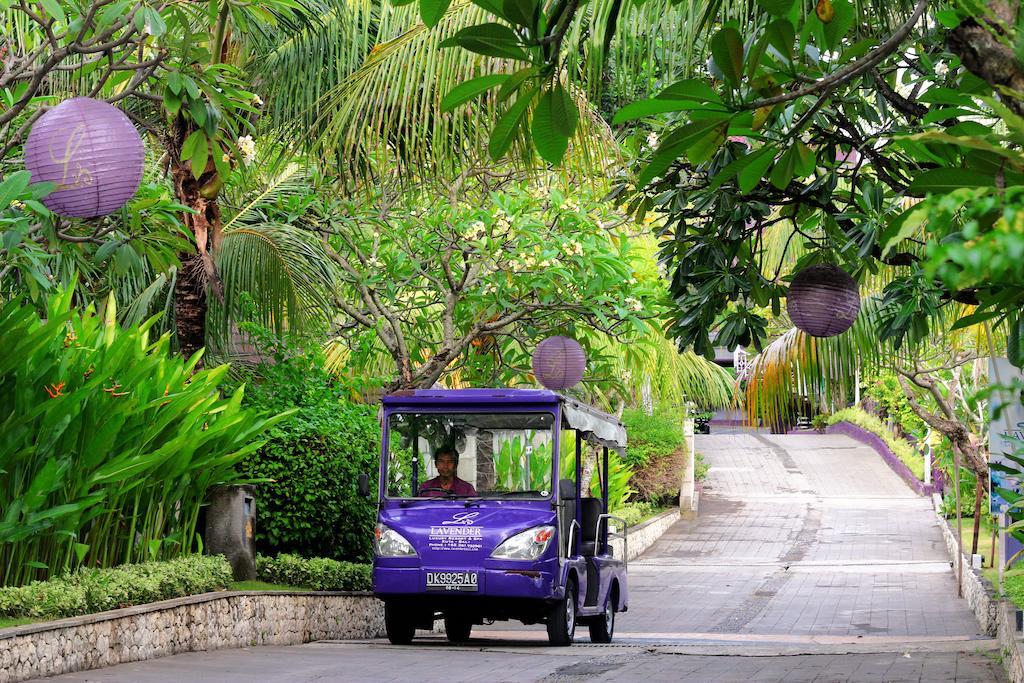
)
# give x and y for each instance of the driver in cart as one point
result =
(446, 483)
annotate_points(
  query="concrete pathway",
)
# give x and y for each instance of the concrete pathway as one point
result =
(811, 561)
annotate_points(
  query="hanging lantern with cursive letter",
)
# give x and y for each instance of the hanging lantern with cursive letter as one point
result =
(91, 151)
(823, 300)
(559, 362)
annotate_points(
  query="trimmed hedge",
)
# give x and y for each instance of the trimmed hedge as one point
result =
(907, 455)
(87, 591)
(318, 573)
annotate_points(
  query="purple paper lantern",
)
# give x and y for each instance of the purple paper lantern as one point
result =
(559, 362)
(823, 300)
(91, 151)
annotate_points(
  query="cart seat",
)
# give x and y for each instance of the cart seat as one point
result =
(591, 508)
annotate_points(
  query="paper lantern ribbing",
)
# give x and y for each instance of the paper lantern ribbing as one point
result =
(823, 300)
(91, 151)
(559, 362)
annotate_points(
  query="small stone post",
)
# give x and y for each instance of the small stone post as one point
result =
(230, 522)
(687, 493)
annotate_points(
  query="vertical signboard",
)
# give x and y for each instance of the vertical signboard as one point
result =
(1006, 431)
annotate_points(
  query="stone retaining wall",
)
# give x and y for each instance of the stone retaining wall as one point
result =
(1010, 643)
(976, 589)
(643, 535)
(213, 621)
(209, 621)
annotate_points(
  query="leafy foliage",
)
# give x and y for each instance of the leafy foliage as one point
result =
(109, 443)
(87, 591)
(318, 573)
(308, 468)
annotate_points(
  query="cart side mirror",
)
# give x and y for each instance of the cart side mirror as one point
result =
(364, 484)
(566, 489)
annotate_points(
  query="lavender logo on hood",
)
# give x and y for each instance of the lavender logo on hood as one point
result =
(462, 518)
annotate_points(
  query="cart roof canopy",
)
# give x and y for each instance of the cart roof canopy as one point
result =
(597, 426)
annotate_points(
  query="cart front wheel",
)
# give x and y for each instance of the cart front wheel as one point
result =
(562, 618)
(398, 624)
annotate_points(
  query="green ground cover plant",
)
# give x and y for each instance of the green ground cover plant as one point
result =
(638, 512)
(108, 441)
(317, 573)
(87, 591)
(903, 450)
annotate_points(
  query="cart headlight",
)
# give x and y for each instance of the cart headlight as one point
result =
(528, 545)
(389, 543)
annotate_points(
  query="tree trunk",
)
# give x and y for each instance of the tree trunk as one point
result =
(979, 497)
(983, 53)
(198, 274)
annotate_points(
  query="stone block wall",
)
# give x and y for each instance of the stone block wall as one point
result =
(976, 589)
(643, 535)
(201, 622)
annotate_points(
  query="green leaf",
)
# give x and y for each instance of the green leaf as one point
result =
(506, 127)
(737, 165)
(12, 186)
(693, 89)
(551, 143)
(54, 11)
(784, 168)
(1014, 338)
(975, 318)
(752, 174)
(781, 36)
(199, 157)
(941, 180)
(778, 8)
(564, 113)
(522, 12)
(189, 147)
(432, 10)
(466, 91)
(840, 25)
(642, 108)
(727, 51)
(805, 161)
(490, 40)
(514, 81)
(676, 144)
(174, 82)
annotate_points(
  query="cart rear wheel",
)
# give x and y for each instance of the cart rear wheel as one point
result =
(603, 628)
(399, 624)
(562, 618)
(457, 628)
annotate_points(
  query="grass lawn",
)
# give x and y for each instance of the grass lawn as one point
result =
(19, 621)
(263, 586)
(984, 543)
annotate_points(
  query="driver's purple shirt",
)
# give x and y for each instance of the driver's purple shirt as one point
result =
(459, 488)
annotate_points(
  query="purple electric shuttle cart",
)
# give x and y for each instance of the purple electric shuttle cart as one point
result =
(532, 544)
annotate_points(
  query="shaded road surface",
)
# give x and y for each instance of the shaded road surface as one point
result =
(811, 561)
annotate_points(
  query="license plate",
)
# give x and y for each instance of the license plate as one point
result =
(452, 581)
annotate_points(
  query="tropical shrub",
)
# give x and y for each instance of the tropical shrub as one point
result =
(886, 391)
(318, 573)
(636, 512)
(651, 436)
(96, 590)
(657, 452)
(308, 469)
(108, 441)
(903, 450)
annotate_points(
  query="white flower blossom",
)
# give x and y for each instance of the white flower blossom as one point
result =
(941, 69)
(634, 304)
(652, 139)
(248, 148)
(257, 100)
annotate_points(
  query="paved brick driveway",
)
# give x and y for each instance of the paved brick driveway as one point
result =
(811, 561)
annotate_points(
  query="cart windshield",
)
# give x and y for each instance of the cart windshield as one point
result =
(496, 455)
